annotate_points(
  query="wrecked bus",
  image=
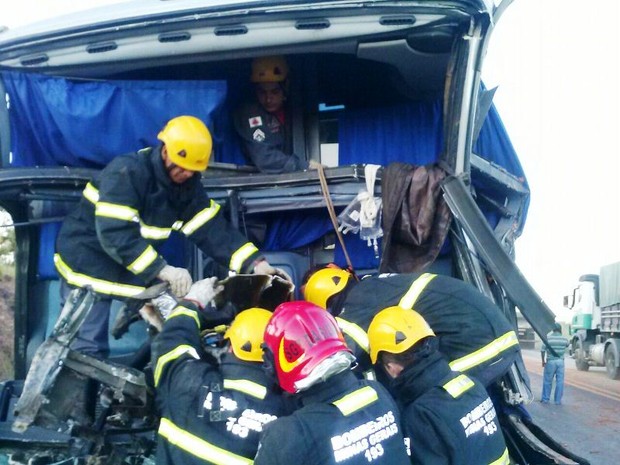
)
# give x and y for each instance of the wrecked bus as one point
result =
(393, 84)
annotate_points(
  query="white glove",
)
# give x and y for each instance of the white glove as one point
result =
(313, 165)
(204, 291)
(179, 279)
(263, 267)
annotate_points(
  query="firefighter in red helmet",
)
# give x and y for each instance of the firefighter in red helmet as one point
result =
(340, 419)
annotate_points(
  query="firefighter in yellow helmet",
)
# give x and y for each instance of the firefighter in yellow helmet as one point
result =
(111, 239)
(447, 417)
(264, 124)
(211, 413)
(484, 345)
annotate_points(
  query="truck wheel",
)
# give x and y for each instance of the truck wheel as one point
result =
(580, 356)
(613, 372)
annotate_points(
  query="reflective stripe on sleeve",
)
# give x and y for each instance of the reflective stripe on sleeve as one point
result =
(198, 447)
(91, 193)
(354, 332)
(180, 310)
(119, 212)
(171, 356)
(154, 232)
(412, 295)
(503, 460)
(145, 259)
(98, 285)
(457, 386)
(356, 400)
(493, 349)
(247, 387)
(201, 218)
(241, 255)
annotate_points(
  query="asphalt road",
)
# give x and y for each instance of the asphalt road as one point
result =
(588, 421)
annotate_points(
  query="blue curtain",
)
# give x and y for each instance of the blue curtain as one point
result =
(56, 121)
(409, 133)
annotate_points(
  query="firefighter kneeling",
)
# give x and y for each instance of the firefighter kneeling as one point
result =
(447, 417)
(211, 413)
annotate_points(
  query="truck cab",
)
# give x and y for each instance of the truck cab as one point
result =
(595, 326)
(396, 85)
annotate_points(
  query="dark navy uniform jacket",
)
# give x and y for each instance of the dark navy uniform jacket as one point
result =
(448, 417)
(208, 414)
(109, 242)
(473, 333)
(265, 141)
(343, 420)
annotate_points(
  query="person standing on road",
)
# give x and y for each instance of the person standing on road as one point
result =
(553, 365)
(109, 242)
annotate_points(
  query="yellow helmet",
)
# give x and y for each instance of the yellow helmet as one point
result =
(396, 329)
(188, 142)
(325, 283)
(246, 334)
(269, 69)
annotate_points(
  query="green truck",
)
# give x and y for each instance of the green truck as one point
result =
(595, 324)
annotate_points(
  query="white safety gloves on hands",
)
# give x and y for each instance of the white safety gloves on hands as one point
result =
(263, 267)
(179, 278)
(204, 291)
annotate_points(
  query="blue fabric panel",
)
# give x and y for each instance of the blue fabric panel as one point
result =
(56, 121)
(494, 144)
(47, 243)
(296, 230)
(226, 141)
(362, 256)
(410, 133)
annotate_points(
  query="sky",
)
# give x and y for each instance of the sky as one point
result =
(557, 65)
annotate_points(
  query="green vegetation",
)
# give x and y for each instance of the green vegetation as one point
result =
(7, 295)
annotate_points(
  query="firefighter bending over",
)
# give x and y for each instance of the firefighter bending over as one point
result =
(109, 242)
(209, 413)
(447, 417)
(340, 419)
(472, 332)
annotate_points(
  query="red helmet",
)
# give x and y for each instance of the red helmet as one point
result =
(298, 337)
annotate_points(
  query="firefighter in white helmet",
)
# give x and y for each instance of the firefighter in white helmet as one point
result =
(110, 240)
